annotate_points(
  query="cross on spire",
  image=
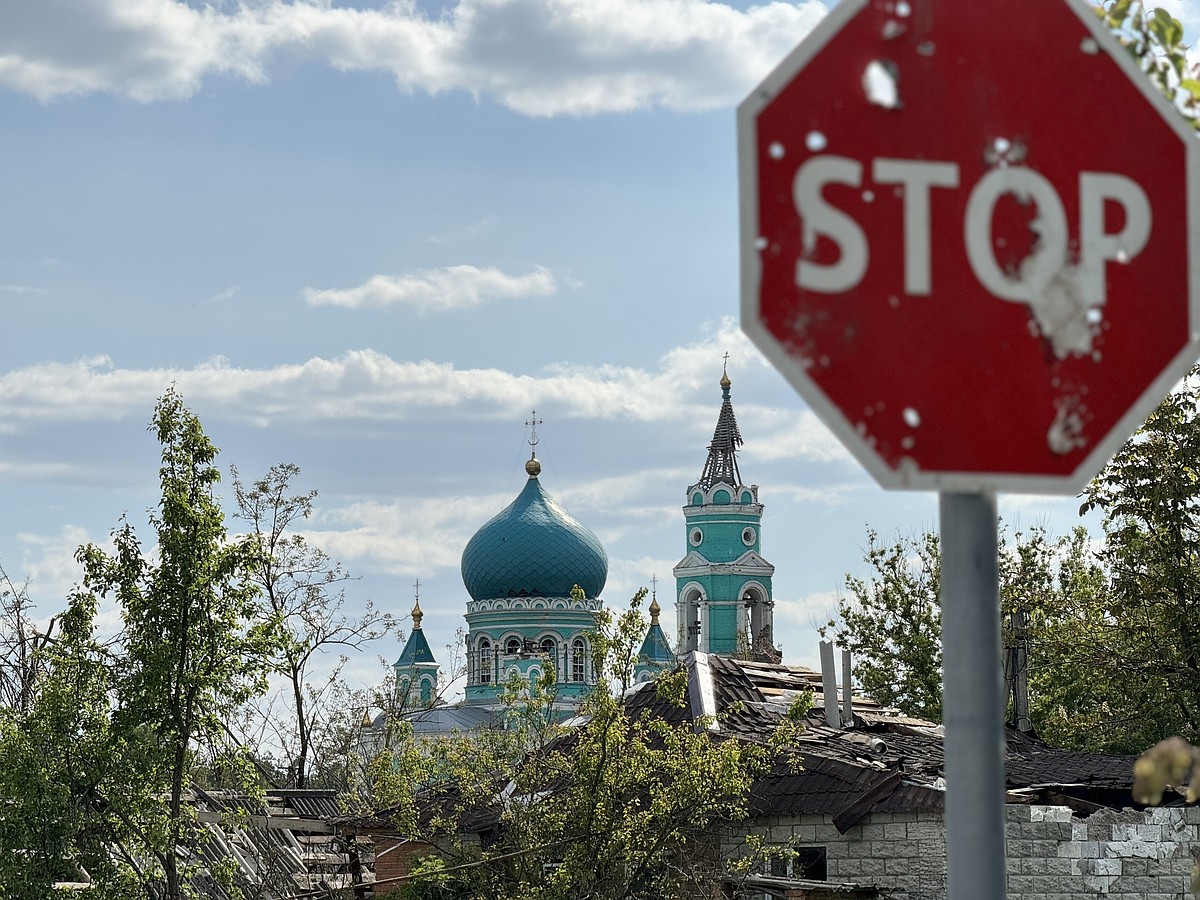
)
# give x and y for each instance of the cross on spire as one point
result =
(532, 425)
(417, 613)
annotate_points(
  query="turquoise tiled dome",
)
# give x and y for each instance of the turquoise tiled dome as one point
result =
(533, 548)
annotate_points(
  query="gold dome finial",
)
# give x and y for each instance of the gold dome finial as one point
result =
(417, 615)
(655, 609)
(366, 719)
(533, 467)
(725, 382)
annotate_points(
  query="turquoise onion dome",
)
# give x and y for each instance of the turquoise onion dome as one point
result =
(535, 548)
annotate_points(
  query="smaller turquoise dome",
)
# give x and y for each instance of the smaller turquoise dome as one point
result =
(533, 547)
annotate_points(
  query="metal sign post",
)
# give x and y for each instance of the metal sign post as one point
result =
(972, 697)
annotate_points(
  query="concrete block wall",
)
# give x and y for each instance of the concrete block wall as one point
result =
(1052, 854)
(1118, 854)
(902, 853)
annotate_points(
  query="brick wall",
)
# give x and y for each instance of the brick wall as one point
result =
(1052, 855)
(393, 859)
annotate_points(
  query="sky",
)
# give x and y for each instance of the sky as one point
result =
(369, 239)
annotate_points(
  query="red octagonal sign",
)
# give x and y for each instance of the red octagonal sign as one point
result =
(969, 239)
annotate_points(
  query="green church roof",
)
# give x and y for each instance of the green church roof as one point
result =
(655, 649)
(534, 547)
(416, 650)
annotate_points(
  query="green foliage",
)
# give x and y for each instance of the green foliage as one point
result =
(608, 805)
(891, 623)
(61, 770)
(95, 773)
(1154, 39)
(1112, 632)
(1052, 595)
(1141, 643)
(302, 589)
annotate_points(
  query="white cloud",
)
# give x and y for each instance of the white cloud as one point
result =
(367, 384)
(228, 294)
(362, 388)
(799, 620)
(788, 435)
(20, 289)
(47, 562)
(410, 536)
(625, 576)
(826, 495)
(31, 471)
(438, 290)
(538, 57)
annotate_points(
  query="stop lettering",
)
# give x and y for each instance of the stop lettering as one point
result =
(916, 178)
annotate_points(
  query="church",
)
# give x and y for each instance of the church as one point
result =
(535, 574)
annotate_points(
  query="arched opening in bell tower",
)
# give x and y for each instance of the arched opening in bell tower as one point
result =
(690, 626)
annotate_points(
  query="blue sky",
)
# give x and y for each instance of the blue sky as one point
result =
(368, 238)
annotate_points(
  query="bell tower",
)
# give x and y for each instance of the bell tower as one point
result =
(723, 585)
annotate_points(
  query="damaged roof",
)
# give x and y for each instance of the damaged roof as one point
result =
(881, 761)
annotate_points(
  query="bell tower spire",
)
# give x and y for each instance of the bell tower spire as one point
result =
(723, 585)
(721, 464)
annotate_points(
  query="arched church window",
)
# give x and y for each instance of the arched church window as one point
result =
(721, 496)
(746, 498)
(697, 499)
(512, 646)
(426, 691)
(578, 654)
(550, 649)
(485, 661)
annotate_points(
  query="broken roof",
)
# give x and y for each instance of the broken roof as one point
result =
(883, 761)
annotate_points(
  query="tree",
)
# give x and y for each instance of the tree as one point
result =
(100, 765)
(892, 625)
(20, 643)
(614, 805)
(1143, 642)
(70, 785)
(302, 588)
(1111, 634)
(891, 620)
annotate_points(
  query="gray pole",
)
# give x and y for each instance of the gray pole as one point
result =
(972, 708)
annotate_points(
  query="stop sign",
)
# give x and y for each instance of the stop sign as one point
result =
(969, 239)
